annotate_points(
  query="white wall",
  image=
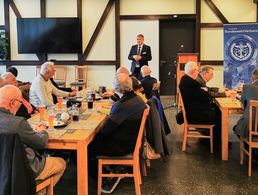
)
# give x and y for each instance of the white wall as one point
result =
(104, 48)
(150, 30)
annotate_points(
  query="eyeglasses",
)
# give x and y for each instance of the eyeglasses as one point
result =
(12, 100)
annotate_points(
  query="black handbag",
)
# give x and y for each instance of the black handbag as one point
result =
(180, 117)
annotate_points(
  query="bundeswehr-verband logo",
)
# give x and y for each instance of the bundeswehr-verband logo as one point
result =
(241, 48)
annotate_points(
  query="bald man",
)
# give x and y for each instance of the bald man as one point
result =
(41, 89)
(148, 82)
(198, 102)
(26, 109)
(33, 140)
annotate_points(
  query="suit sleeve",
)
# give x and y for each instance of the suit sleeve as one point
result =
(243, 96)
(131, 54)
(32, 138)
(148, 56)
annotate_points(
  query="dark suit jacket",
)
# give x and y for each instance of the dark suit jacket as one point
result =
(145, 54)
(120, 130)
(16, 176)
(23, 112)
(250, 92)
(212, 93)
(147, 83)
(197, 102)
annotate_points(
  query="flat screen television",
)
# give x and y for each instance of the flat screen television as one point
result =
(49, 35)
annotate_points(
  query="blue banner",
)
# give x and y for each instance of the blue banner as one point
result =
(240, 53)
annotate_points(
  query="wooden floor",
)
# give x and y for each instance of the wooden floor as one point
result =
(193, 172)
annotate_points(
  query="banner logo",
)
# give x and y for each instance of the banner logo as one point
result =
(241, 49)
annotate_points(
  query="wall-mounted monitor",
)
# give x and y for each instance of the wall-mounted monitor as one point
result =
(49, 35)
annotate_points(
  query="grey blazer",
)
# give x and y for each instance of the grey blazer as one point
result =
(32, 140)
(250, 92)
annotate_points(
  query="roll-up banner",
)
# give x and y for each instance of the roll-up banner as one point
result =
(240, 54)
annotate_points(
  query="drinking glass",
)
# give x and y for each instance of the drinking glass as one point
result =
(51, 116)
(59, 102)
(42, 112)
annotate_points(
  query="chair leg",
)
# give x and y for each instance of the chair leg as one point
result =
(241, 152)
(211, 140)
(99, 177)
(250, 162)
(185, 138)
(136, 181)
(139, 173)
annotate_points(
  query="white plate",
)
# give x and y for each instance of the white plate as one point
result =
(58, 124)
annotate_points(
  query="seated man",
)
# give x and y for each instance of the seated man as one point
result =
(33, 140)
(198, 102)
(204, 76)
(148, 83)
(42, 89)
(250, 92)
(120, 130)
(26, 109)
(138, 89)
(115, 96)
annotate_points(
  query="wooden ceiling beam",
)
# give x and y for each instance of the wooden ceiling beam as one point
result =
(216, 11)
(15, 9)
(97, 29)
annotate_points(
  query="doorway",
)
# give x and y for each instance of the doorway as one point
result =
(175, 36)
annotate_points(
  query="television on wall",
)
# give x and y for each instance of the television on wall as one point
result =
(49, 35)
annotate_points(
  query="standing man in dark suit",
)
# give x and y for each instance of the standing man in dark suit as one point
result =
(250, 92)
(198, 102)
(140, 54)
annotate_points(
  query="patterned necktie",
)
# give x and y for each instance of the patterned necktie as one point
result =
(139, 50)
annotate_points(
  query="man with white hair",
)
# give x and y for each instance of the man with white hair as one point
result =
(148, 82)
(120, 130)
(41, 89)
(198, 102)
(33, 140)
(26, 109)
(124, 70)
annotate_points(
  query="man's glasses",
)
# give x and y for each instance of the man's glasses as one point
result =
(13, 100)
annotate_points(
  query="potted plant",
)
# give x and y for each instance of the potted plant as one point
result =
(3, 46)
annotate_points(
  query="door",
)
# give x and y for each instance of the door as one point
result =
(175, 36)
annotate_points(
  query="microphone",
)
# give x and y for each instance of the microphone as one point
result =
(181, 48)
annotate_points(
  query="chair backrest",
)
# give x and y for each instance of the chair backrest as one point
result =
(253, 119)
(60, 74)
(140, 133)
(183, 106)
(81, 73)
(16, 174)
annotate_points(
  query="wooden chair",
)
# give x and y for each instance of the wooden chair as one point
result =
(60, 76)
(252, 139)
(128, 160)
(191, 130)
(80, 77)
(47, 183)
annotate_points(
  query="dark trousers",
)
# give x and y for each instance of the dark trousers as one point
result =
(211, 116)
(137, 73)
(99, 148)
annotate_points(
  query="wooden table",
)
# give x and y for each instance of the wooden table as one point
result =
(79, 141)
(227, 106)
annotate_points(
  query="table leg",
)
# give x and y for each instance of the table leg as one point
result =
(82, 168)
(224, 133)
